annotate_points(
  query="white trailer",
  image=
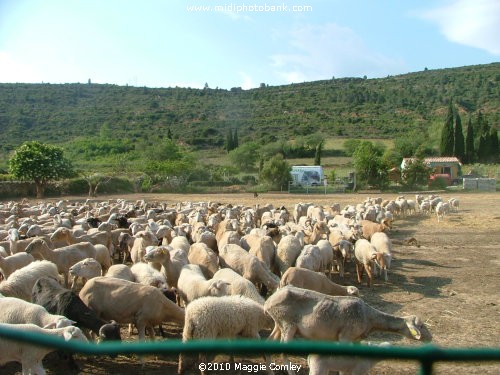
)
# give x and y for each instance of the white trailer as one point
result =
(307, 175)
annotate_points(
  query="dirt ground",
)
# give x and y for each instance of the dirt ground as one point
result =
(450, 279)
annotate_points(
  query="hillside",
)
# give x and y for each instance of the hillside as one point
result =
(382, 108)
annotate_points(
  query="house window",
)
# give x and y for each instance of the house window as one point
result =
(447, 170)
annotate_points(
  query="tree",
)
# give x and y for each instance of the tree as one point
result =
(369, 165)
(494, 144)
(276, 172)
(317, 155)
(458, 145)
(95, 180)
(469, 143)
(484, 144)
(40, 163)
(235, 139)
(245, 156)
(416, 172)
(447, 134)
(229, 140)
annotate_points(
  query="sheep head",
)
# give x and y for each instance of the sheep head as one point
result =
(416, 329)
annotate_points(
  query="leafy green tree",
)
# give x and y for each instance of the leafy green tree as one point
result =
(407, 145)
(447, 134)
(164, 150)
(317, 154)
(415, 173)
(458, 145)
(40, 163)
(245, 156)
(470, 154)
(369, 165)
(169, 134)
(350, 146)
(276, 172)
(94, 181)
(392, 158)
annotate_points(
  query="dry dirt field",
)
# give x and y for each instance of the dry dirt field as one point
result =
(450, 279)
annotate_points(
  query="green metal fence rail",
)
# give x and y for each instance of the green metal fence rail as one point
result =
(426, 354)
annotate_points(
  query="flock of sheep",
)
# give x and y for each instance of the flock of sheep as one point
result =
(218, 271)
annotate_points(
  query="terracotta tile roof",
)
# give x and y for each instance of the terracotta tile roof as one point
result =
(433, 160)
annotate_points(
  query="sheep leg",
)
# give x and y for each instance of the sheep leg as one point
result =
(276, 333)
(151, 333)
(287, 334)
(369, 273)
(359, 271)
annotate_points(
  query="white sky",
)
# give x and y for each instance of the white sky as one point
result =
(166, 43)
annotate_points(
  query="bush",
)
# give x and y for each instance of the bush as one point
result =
(439, 183)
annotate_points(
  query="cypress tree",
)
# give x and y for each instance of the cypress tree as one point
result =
(447, 136)
(494, 144)
(229, 140)
(317, 155)
(484, 146)
(235, 139)
(459, 147)
(469, 143)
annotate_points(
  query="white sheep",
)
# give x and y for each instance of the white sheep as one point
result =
(143, 239)
(442, 209)
(120, 271)
(369, 227)
(454, 204)
(21, 282)
(202, 255)
(383, 244)
(307, 279)
(192, 284)
(86, 269)
(248, 266)
(354, 365)
(317, 316)
(326, 251)
(288, 250)
(222, 317)
(11, 263)
(31, 356)
(16, 311)
(366, 255)
(147, 275)
(310, 258)
(128, 302)
(171, 262)
(180, 242)
(63, 257)
(238, 285)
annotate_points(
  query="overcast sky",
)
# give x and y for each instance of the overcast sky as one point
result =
(167, 43)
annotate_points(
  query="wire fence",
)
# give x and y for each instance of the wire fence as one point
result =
(427, 354)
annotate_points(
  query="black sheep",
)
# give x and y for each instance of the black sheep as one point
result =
(57, 300)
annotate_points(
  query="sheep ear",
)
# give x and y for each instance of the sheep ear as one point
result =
(68, 335)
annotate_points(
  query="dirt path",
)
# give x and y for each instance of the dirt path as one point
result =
(451, 280)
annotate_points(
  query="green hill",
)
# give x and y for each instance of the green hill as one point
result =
(351, 107)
